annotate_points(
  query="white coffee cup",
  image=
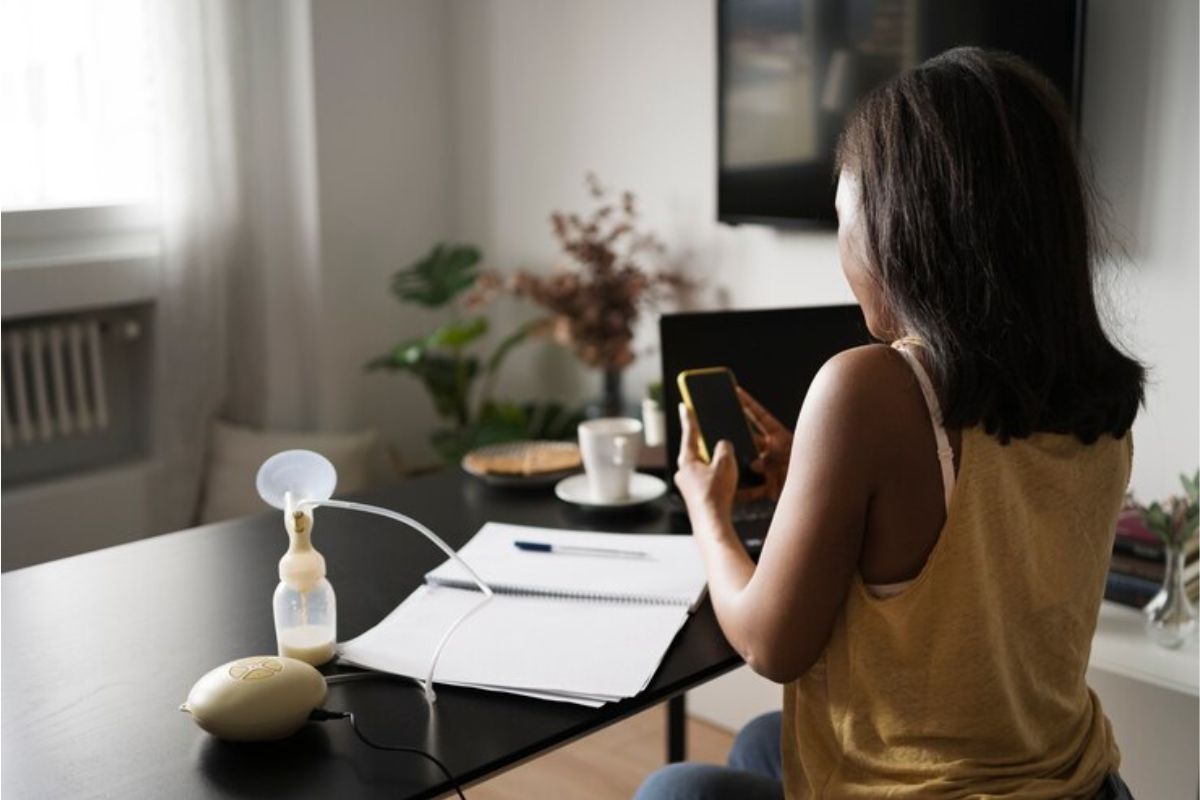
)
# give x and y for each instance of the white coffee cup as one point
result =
(610, 446)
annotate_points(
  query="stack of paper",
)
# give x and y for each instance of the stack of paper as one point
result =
(574, 628)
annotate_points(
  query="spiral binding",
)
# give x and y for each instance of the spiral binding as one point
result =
(510, 590)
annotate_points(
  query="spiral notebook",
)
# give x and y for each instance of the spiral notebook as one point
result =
(671, 572)
(570, 628)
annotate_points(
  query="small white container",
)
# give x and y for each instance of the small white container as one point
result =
(654, 422)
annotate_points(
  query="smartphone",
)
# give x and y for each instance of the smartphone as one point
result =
(711, 394)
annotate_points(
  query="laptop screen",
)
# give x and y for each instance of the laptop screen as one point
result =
(774, 354)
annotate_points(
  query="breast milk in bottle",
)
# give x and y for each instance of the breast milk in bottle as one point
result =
(305, 607)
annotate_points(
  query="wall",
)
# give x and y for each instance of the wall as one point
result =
(1140, 125)
(545, 91)
(380, 101)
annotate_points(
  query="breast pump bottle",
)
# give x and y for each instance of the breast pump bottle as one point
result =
(305, 607)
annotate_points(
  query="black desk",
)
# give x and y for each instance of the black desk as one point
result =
(100, 649)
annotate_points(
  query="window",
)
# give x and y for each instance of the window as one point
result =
(77, 117)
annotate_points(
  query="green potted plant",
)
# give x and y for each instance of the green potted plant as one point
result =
(448, 362)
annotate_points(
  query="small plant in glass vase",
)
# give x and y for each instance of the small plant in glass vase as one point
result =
(1170, 616)
(459, 379)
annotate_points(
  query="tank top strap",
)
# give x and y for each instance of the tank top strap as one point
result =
(945, 453)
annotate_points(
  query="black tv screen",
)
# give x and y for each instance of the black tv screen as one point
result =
(791, 71)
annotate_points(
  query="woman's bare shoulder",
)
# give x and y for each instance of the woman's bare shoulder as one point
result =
(870, 374)
(870, 394)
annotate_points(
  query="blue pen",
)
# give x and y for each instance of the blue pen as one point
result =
(569, 550)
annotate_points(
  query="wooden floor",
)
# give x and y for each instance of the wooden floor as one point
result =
(608, 764)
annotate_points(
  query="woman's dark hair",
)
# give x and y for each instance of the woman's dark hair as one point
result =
(980, 233)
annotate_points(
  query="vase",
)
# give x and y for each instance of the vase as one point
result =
(614, 404)
(1170, 616)
(611, 402)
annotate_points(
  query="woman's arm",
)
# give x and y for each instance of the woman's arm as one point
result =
(779, 615)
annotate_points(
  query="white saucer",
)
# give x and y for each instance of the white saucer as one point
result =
(642, 489)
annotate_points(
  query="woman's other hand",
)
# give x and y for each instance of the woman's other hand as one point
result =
(707, 489)
(772, 440)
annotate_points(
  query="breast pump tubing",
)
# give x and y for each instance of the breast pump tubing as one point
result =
(291, 507)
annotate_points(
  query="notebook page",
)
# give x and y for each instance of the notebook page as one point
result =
(527, 644)
(672, 572)
(589, 700)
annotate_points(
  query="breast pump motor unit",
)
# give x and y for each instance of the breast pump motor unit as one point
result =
(270, 697)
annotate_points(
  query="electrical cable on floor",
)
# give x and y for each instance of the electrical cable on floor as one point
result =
(323, 715)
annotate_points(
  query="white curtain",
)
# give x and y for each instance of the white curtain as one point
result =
(196, 46)
(277, 302)
(237, 309)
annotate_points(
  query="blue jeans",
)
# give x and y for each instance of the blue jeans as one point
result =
(755, 772)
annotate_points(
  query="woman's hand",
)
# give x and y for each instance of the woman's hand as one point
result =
(707, 489)
(774, 444)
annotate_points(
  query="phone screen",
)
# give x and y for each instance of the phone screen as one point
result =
(720, 416)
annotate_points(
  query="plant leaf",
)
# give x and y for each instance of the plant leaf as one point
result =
(559, 422)
(654, 392)
(440, 276)
(451, 443)
(458, 334)
(402, 356)
(510, 342)
(447, 379)
(1191, 486)
(508, 421)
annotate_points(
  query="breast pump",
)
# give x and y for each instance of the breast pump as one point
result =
(297, 482)
(268, 697)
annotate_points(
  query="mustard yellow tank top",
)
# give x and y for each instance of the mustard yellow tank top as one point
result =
(970, 682)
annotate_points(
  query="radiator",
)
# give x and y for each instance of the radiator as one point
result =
(54, 381)
(77, 420)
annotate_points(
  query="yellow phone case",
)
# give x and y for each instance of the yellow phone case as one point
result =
(681, 382)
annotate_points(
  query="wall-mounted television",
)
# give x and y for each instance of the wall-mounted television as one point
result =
(791, 71)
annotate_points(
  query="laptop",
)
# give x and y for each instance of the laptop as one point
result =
(774, 355)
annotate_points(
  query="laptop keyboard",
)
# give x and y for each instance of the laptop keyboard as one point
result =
(750, 520)
(754, 510)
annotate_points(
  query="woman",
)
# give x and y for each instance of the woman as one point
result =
(930, 585)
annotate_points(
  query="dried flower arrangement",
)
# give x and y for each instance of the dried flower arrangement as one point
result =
(596, 297)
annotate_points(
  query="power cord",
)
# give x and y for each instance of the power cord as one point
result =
(324, 715)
